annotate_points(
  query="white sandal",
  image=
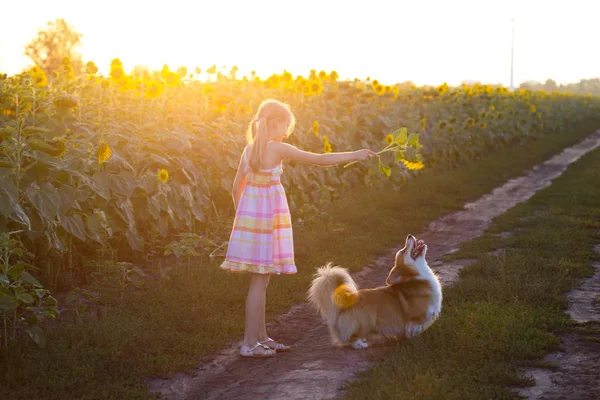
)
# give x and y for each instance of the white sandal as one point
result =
(278, 346)
(246, 351)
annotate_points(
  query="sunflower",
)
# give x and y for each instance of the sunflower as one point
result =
(163, 175)
(172, 79)
(208, 90)
(105, 84)
(389, 139)
(316, 87)
(154, 89)
(333, 76)
(68, 71)
(104, 153)
(116, 63)
(116, 73)
(442, 88)
(413, 165)
(442, 124)
(483, 125)
(322, 75)
(453, 120)
(287, 77)
(532, 109)
(212, 69)
(164, 71)
(450, 130)
(326, 145)
(91, 68)
(38, 76)
(182, 72)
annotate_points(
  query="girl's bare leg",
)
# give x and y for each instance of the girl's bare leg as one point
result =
(255, 310)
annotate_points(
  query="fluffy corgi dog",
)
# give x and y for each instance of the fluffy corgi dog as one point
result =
(405, 307)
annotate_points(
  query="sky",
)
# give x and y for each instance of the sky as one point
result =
(424, 41)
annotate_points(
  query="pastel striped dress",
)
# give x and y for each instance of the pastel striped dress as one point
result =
(261, 240)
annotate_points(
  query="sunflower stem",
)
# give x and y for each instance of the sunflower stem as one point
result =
(389, 147)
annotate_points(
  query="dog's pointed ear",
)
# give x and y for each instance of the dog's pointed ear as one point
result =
(394, 276)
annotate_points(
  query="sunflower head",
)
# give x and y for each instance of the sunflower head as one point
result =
(442, 88)
(38, 76)
(413, 165)
(117, 73)
(116, 63)
(91, 68)
(172, 79)
(163, 175)
(104, 153)
(316, 87)
(389, 139)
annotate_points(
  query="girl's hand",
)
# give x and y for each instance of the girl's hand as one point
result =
(363, 154)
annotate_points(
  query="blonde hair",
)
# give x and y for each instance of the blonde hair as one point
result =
(269, 112)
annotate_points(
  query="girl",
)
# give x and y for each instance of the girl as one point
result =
(261, 241)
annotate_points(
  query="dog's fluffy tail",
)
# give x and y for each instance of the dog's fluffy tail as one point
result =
(332, 290)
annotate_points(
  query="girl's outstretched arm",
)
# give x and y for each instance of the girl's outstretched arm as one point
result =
(284, 150)
(239, 182)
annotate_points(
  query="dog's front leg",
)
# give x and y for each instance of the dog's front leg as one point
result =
(358, 340)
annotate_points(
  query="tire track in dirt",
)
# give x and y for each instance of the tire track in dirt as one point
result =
(315, 369)
(577, 375)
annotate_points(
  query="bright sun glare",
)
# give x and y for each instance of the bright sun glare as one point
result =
(427, 42)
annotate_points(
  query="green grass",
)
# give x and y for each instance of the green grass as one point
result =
(172, 324)
(504, 310)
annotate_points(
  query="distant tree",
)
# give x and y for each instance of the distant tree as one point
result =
(53, 44)
(550, 85)
(530, 85)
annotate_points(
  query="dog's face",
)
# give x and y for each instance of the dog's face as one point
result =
(406, 267)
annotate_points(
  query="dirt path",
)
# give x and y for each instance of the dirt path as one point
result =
(315, 369)
(578, 374)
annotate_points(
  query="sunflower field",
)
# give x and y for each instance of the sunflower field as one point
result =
(115, 167)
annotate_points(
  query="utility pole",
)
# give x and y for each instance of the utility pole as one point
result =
(512, 55)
